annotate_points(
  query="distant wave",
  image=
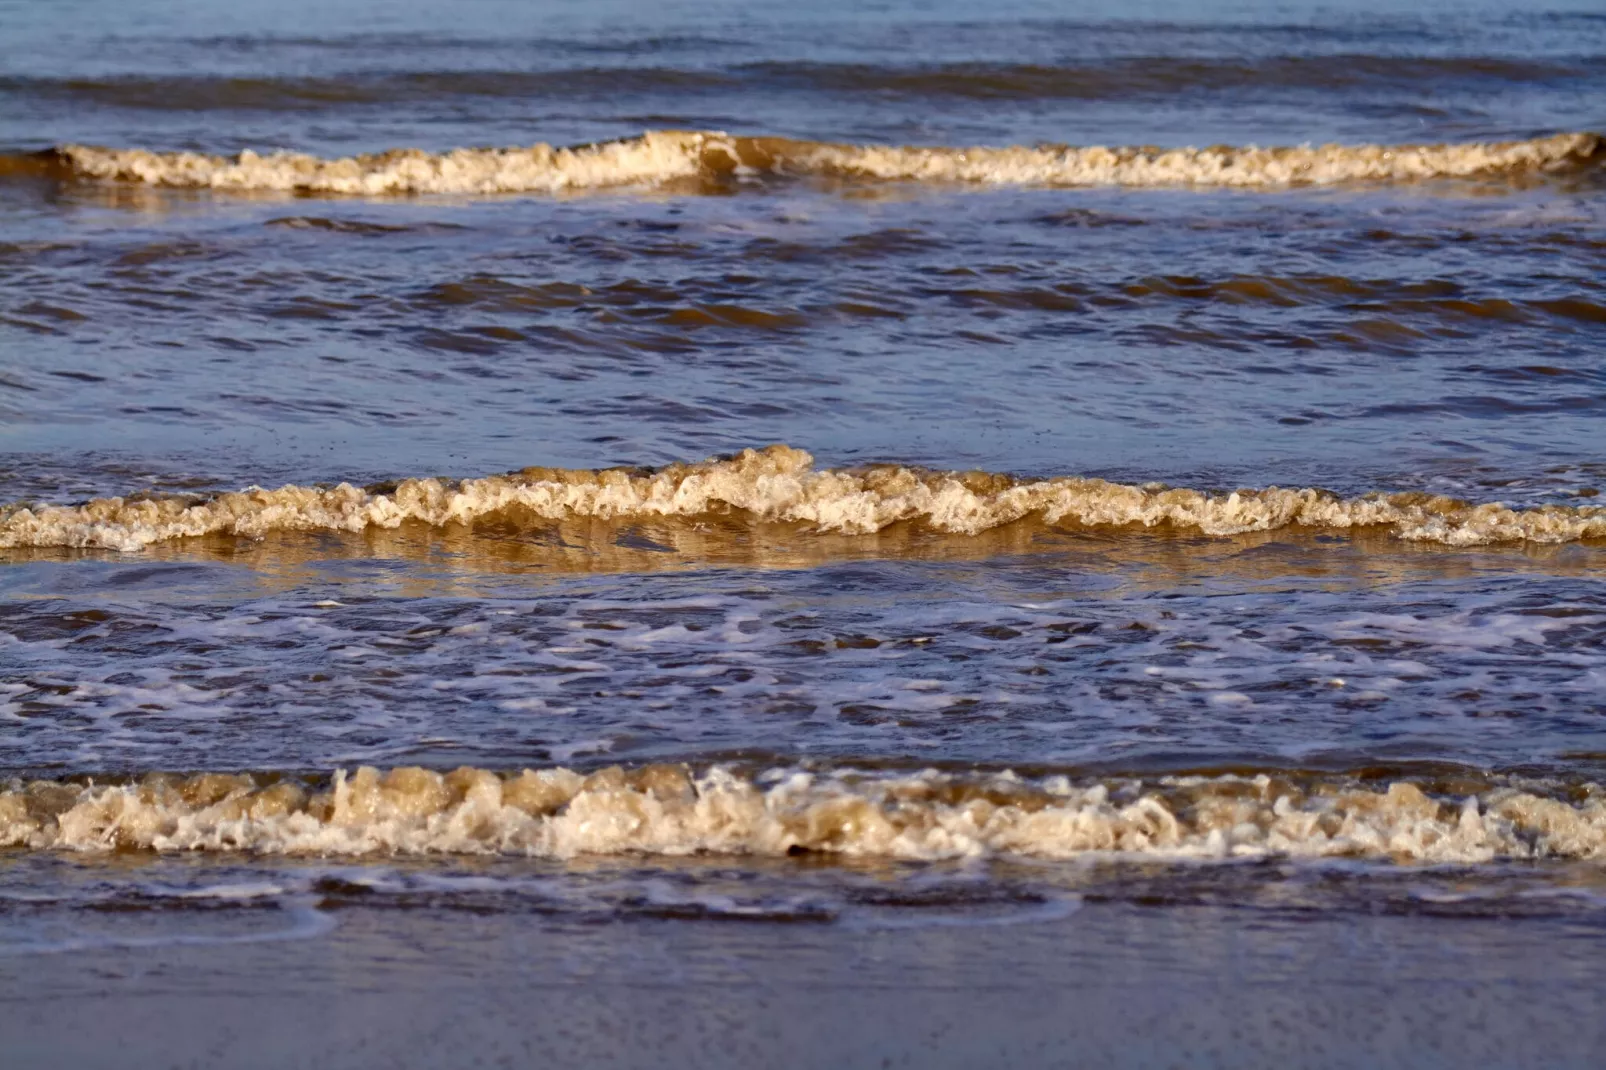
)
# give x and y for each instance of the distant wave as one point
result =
(663, 156)
(675, 810)
(780, 484)
(1123, 78)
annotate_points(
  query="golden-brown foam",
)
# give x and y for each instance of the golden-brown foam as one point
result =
(779, 484)
(666, 155)
(672, 810)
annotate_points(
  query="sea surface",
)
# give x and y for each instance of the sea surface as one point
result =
(849, 468)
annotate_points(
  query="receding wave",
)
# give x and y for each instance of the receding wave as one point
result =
(675, 810)
(664, 156)
(780, 484)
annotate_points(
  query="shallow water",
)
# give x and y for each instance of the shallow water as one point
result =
(1176, 527)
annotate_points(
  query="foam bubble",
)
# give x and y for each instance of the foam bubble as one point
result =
(780, 484)
(670, 810)
(665, 155)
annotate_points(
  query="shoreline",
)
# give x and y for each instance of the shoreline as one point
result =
(1110, 985)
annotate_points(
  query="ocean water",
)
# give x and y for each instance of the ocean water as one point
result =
(863, 468)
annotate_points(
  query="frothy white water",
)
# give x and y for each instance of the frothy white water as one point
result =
(779, 483)
(653, 157)
(667, 810)
(660, 156)
(1240, 166)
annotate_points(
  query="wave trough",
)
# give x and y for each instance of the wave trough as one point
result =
(780, 484)
(666, 155)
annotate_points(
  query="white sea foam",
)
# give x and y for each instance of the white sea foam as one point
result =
(653, 157)
(665, 155)
(780, 484)
(1243, 166)
(669, 810)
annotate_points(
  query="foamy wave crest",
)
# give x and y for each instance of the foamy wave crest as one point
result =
(780, 484)
(671, 810)
(655, 157)
(661, 156)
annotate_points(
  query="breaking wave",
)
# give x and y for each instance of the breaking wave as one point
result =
(662, 156)
(780, 484)
(674, 810)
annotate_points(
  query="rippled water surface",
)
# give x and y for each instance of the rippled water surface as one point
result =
(1208, 520)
